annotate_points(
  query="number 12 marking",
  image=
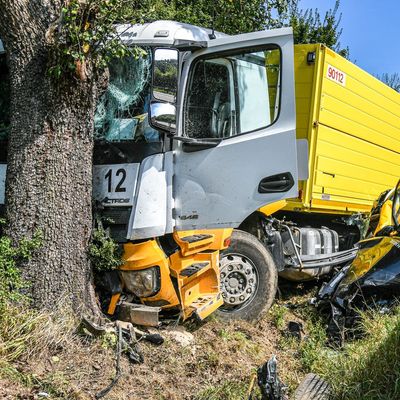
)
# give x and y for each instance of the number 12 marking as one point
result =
(119, 187)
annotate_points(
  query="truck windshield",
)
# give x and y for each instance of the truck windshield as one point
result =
(122, 112)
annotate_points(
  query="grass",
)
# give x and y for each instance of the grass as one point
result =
(367, 368)
(217, 367)
(28, 333)
(229, 336)
(229, 390)
(278, 314)
(30, 339)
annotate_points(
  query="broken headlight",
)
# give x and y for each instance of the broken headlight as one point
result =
(142, 283)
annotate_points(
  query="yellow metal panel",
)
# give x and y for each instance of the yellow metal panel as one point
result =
(359, 152)
(362, 174)
(359, 123)
(348, 182)
(344, 194)
(338, 206)
(198, 292)
(304, 74)
(138, 256)
(271, 208)
(353, 128)
(215, 239)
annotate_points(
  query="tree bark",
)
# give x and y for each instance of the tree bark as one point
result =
(49, 173)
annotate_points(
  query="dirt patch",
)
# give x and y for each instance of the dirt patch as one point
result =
(219, 353)
(10, 390)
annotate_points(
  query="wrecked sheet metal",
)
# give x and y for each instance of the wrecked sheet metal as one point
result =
(371, 280)
(139, 314)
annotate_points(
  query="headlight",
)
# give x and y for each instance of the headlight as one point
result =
(142, 283)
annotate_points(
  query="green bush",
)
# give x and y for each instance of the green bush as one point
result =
(104, 253)
(11, 257)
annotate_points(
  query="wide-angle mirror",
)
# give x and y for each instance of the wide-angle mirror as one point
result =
(163, 116)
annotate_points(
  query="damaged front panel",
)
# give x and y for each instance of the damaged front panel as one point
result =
(132, 175)
(371, 280)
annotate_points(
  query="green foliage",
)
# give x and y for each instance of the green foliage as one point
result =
(86, 32)
(278, 313)
(11, 257)
(104, 253)
(368, 368)
(392, 80)
(229, 390)
(309, 27)
(86, 36)
(228, 16)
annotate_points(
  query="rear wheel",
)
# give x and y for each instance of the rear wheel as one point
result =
(248, 278)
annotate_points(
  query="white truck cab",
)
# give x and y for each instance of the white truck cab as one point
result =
(219, 137)
(192, 137)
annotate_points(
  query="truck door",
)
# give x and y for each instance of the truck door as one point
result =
(235, 148)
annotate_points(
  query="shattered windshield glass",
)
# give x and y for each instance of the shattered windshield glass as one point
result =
(122, 112)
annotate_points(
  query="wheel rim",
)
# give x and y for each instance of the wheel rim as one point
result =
(239, 281)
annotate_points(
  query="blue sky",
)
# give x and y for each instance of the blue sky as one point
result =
(371, 29)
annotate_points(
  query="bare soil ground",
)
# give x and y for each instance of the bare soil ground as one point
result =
(220, 354)
(216, 365)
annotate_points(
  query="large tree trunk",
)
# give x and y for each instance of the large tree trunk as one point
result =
(49, 176)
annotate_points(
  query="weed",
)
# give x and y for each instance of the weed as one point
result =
(229, 390)
(212, 358)
(104, 252)
(278, 313)
(368, 368)
(229, 336)
(108, 340)
(313, 347)
(27, 333)
(11, 257)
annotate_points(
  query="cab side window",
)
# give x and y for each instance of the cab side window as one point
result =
(209, 104)
(234, 94)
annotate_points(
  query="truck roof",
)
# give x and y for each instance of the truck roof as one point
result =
(163, 33)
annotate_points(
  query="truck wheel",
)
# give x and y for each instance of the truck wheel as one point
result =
(248, 278)
(312, 387)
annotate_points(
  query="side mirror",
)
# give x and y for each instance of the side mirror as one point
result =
(163, 116)
(165, 75)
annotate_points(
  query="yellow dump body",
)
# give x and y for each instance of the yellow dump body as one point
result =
(352, 123)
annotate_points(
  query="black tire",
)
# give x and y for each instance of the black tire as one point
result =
(313, 387)
(247, 245)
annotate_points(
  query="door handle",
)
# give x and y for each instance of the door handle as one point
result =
(276, 183)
